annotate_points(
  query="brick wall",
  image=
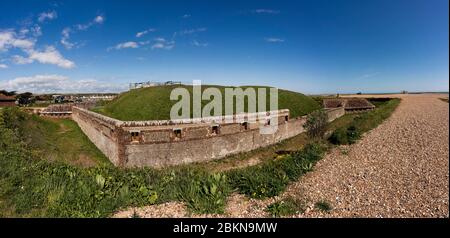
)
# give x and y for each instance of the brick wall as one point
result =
(164, 143)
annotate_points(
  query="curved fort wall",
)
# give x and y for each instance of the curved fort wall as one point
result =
(165, 143)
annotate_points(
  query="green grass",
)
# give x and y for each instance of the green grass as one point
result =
(350, 127)
(286, 207)
(271, 178)
(154, 103)
(59, 140)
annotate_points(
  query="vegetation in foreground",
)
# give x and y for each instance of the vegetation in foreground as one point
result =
(286, 207)
(32, 187)
(135, 104)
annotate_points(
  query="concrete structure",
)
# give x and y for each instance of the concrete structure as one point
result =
(349, 104)
(165, 143)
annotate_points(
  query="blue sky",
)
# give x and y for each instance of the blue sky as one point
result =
(307, 46)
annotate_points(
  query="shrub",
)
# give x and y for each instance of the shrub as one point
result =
(323, 206)
(353, 134)
(316, 124)
(344, 136)
(339, 137)
(286, 207)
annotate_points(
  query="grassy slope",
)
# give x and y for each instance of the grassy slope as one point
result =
(153, 103)
(60, 140)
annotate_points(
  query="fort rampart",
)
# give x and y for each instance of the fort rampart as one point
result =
(172, 142)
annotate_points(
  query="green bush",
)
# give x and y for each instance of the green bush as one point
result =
(353, 134)
(345, 136)
(339, 137)
(316, 124)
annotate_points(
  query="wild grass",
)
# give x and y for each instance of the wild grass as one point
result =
(354, 125)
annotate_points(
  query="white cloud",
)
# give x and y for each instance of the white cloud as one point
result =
(192, 31)
(23, 43)
(369, 75)
(36, 30)
(17, 59)
(6, 37)
(9, 39)
(47, 15)
(99, 19)
(198, 44)
(274, 40)
(52, 83)
(140, 34)
(66, 32)
(266, 11)
(162, 43)
(3, 66)
(186, 15)
(125, 45)
(50, 56)
(65, 38)
(157, 43)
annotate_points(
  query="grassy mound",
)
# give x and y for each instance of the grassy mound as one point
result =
(155, 104)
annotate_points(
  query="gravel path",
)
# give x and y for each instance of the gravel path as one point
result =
(399, 169)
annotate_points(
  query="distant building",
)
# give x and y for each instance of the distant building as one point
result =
(349, 104)
(152, 84)
(7, 101)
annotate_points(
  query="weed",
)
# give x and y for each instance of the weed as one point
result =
(323, 206)
(286, 207)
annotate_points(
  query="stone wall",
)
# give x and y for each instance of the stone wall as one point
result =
(335, 113)
(165, 143)
(102, 131)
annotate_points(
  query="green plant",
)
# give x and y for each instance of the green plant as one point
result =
(286, 207)
(316, 124)
(323, 206)
(353, 134)
(205, 193)
(339, 137)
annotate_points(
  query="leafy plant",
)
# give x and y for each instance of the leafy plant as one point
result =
(205, 193)
(316, 124)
